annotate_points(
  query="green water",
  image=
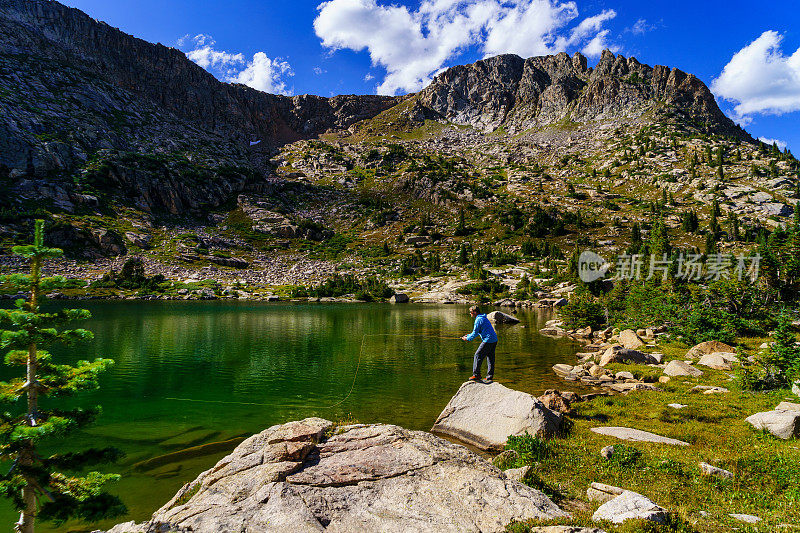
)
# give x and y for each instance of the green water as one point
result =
(191, 373)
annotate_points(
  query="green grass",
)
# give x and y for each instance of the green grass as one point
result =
(767, 482)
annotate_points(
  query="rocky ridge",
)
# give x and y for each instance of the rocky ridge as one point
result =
(140, 119)
(520, 94)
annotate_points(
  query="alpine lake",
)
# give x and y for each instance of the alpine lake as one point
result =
(192, 378)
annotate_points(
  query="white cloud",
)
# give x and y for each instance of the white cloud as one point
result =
(319, 70)
(760, 79)
(640, 27)
(368, 76)
(262, 73)
(781, 144)
(412, 45)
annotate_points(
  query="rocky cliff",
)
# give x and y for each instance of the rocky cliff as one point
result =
(520, 94)
(76, 93)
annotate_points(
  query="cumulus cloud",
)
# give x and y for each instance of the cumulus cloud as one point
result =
(262, 73)
(760, 79)
(781, 144)
(412, 45)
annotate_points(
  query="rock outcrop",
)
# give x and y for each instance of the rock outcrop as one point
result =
(628, 506)
(520, 94)
(292, 478)
(127, 115)
(637, 435)
(485, 416)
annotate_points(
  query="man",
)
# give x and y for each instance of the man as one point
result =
(488, 344)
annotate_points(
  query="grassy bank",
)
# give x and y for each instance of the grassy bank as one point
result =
(767, 469)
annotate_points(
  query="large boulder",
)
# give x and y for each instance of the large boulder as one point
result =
(629, 506)
(796, 388)
(699, 350)
(629, 339)
(556, 401)
(782, 424)
(788, 406)
(485, 416)
(719, 360)
(615, 354)
(679, 368)
(498, 317)
(399, 298)
(290, 478)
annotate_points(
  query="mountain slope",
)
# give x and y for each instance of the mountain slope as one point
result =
(74, 87)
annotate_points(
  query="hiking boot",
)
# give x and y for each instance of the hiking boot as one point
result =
(474, 378)
(488, 380)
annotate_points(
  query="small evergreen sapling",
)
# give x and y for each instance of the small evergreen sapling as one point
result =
(34, 483)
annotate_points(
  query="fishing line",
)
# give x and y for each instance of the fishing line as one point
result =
(355, 375)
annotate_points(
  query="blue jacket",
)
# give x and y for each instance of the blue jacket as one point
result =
(483, 328)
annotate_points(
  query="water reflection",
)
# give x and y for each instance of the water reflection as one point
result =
(190, 373)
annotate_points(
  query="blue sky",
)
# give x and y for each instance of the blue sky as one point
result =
(748, 53)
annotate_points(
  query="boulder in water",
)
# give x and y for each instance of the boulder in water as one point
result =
(498, 317)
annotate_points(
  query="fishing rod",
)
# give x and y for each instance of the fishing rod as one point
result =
(352, 385)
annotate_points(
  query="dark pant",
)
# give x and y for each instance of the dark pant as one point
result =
(485, 350)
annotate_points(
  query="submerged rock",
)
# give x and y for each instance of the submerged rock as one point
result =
(290, 478)
(485, 416)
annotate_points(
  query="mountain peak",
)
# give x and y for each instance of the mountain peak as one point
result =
(520, 94)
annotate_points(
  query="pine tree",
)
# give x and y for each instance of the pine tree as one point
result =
(713, 223)
(461, 225)
(659, 238)
(32, 478)
(784, 352)
(711, 243)
(690, 222)
(793, 250)
(636, 238)
(733, 226)
(463, 255)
